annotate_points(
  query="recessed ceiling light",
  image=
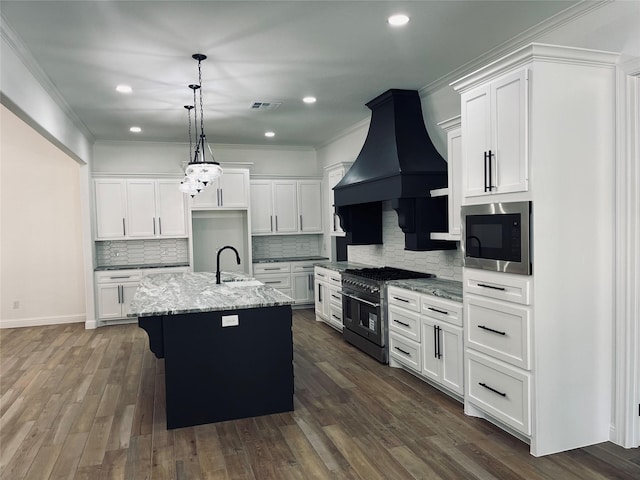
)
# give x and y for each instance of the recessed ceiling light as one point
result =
(124, 88)
(309, 99)
(135, 129)
(269, 134)
(398, 20)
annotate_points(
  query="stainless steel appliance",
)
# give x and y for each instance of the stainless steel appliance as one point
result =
(364, 309)
(496, 236)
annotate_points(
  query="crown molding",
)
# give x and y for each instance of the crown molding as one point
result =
(13, 40)
(521, 40)
(450, 123)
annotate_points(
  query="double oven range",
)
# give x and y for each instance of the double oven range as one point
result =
(364, 309)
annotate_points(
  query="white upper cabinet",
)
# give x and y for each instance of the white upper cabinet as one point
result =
(454, 179)
(494, 128)
(310, 206)
(286, 207)
(230, 190)
(111, 208)
(139, 208)
(285, 211)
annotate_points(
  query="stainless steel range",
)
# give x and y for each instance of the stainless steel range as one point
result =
(364, 309)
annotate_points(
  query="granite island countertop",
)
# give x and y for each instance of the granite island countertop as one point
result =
(438, 287)
(175, 293)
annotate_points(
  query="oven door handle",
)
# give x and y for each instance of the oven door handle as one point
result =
(374, 305)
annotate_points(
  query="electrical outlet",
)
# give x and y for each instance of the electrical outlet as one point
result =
(16, 304)
(115, 253)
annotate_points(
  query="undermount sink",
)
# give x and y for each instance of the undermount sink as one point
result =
(244, 283)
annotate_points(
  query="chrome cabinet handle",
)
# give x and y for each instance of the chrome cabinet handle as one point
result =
(119, 277)
(276, 223)
(119, 294)
(160, 225)
(221, 198)
(154, 225)
(301, 228)
(124, 229)
(271, 222)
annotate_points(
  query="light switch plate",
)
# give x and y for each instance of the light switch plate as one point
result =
(230, 321)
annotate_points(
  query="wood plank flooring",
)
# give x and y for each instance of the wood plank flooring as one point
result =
(89, 404)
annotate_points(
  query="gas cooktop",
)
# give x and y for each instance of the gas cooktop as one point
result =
(386, 273)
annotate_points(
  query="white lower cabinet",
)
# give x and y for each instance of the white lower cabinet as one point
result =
(497, 347)
(426, 336)
(294, 279)
(328, 299)
(115, 289)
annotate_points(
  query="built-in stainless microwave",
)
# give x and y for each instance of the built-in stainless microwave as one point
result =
(496, 236)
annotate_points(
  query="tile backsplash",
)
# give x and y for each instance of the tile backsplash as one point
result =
(444, 264)
(142, 252)
(278, 246)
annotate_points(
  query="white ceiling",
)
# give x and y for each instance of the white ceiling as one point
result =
(342, 52)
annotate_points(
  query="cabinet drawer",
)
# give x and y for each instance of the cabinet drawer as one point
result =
(501, 286)
(447, 311)
(275, 281)
(405, 351)
(270, 268)
(335, 298)
(404, 298)
(119, 276)
(499, 329)
(499, 389)
(335, 279)
(302, 267)
(335, 314)
(404, 322)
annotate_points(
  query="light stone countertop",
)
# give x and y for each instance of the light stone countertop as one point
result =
(290, 259)
(438, 287)
(174, 293)
(342, 266)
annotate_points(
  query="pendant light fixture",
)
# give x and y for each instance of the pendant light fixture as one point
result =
(201, 169)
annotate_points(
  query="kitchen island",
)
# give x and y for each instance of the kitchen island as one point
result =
(228, 348)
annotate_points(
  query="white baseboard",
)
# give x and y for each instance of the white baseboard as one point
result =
(40, 321)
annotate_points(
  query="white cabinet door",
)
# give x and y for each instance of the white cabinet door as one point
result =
(451, 348)
(285, 211)
(454, 147)
(109, 305)
(170, 209)
(234, 189)
(494, 129)
(302, 284)
(141, 208)
(310, 206)
(207, 198)
(476, 131)
(431, 363)
(509, 127)
(127, 291)
(321, 292)
(261, 207)
(110, 209)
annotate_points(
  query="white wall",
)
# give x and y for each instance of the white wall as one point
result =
(168, 158)
(41, 232)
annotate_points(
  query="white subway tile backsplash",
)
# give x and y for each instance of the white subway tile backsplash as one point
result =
(444, 264)
(142, 252)
(277, 246)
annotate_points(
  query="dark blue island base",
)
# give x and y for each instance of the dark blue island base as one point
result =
(215, 373)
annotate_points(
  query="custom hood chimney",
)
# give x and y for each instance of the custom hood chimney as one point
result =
(399, 163)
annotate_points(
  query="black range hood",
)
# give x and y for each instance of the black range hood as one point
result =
(398, 162)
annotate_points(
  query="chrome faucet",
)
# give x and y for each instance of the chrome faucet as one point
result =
(218, 261)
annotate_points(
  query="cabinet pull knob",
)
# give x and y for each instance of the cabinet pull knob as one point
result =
(401, 323)
(402, 351)
(439, 311)
(492, 389)
(401, 299)
(502, 289)
(492, 330)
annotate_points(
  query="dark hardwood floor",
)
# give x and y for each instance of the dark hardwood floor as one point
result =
(89, 404)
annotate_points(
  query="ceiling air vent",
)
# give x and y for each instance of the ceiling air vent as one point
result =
(265, 105)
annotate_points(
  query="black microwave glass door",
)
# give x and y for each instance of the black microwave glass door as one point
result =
(494, 237)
